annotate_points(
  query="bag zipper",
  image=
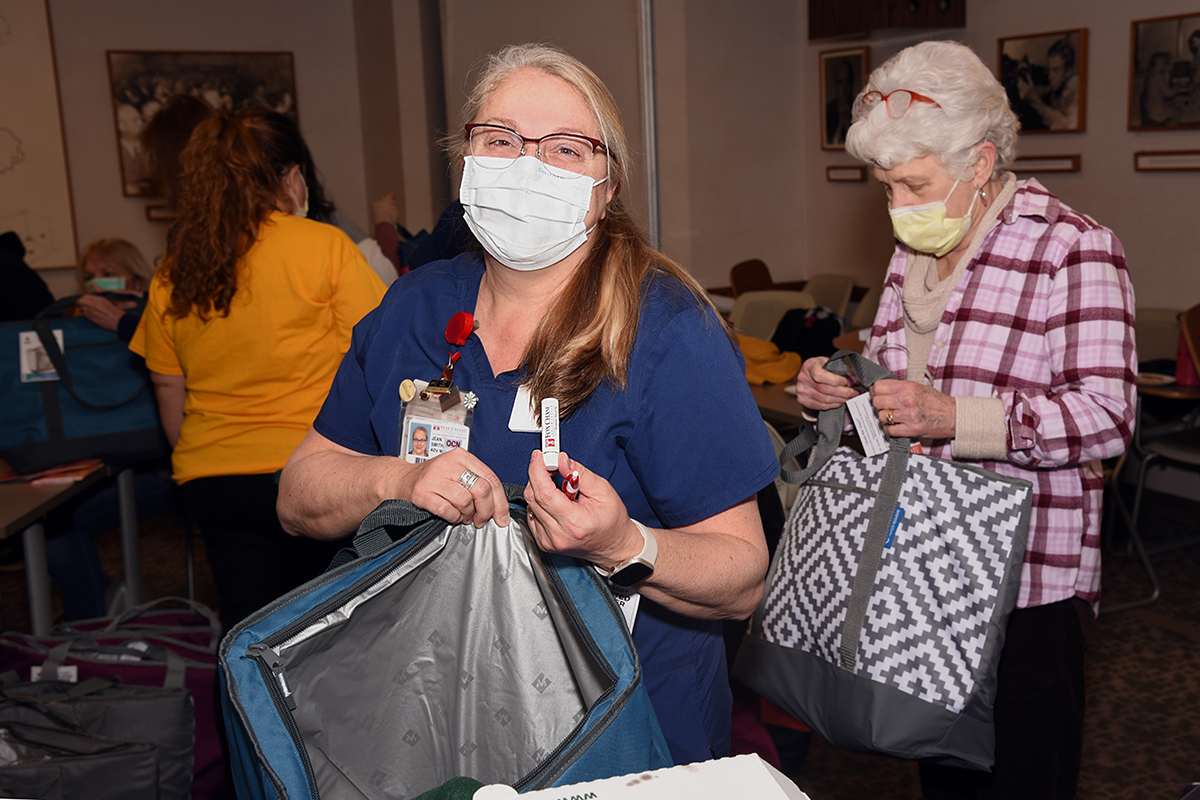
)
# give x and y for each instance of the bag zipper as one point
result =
(270, 663)
(569, 748)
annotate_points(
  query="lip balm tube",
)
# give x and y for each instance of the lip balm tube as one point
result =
(550, 442)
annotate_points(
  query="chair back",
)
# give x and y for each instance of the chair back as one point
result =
(750, 276)
(1157, 331)
(1190, 323)
(758, 313)
(831, 291)
(868, 307)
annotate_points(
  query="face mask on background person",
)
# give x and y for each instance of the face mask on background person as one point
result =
(301, 208)
(926, 229)
(526, 214)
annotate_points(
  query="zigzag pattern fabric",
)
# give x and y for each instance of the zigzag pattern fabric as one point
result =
(937, 586)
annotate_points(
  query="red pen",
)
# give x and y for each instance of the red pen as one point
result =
(570, 485)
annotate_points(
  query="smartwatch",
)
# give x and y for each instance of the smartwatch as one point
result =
(638, 568)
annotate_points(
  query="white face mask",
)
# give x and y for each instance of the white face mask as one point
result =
(527, 215)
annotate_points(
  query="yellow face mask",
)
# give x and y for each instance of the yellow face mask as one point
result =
(926, 228)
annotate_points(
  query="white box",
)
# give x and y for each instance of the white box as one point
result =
(746, 776)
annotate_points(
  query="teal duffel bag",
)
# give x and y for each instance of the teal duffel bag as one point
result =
(100, 406)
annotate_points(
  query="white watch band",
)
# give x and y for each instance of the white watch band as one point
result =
(648, 555)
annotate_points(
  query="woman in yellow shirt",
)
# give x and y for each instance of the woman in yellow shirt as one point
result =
(246, 323)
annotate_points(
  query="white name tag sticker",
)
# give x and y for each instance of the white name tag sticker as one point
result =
(628, 600)
(521, 419)
(866, 422)
(66, 674)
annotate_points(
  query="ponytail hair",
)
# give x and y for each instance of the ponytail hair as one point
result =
(233, 170)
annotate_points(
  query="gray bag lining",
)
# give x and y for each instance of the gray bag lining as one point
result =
(460, 662)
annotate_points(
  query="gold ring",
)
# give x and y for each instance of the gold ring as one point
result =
(890, 420)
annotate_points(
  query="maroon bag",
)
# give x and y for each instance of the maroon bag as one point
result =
(146, 646)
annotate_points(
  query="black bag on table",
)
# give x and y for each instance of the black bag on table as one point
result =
(101, 405)
(164, 717)
(808, 331)
(56, 764)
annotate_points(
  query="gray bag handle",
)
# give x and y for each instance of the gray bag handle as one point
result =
(829, 433)
(136, 611)
(174, 678)
(372, 537)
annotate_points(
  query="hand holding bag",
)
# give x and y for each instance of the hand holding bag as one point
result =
(885, 607)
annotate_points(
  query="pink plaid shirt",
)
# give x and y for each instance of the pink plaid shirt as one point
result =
(1041, 318)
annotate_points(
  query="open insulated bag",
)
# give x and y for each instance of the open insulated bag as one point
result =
(886, 604)
(91, 398)
(451, 651)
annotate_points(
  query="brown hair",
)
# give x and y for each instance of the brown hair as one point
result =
(233, 170)
(120, 252)
(166, 135)
(588, 336)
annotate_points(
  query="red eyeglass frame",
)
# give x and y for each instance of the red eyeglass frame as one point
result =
(883, 98)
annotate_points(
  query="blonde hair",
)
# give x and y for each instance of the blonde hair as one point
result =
(120, 252)
(972, 108)
(587, 338)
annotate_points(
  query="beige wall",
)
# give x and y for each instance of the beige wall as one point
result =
(319, 32)
(1153, 214)
(741, 171)
(602, 35)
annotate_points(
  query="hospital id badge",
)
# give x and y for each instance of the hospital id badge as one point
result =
(427, 429)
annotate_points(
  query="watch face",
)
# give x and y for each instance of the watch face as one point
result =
(631, 574)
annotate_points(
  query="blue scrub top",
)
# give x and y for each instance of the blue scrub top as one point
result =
(682, 442)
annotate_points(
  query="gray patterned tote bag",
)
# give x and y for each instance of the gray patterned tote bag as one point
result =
(887, 600)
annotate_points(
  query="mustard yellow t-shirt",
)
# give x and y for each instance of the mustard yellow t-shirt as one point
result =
(257, 378)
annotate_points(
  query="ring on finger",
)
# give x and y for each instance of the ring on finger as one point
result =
(891, 421)
(467, 479)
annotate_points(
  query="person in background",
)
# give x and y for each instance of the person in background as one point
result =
(25, 293)
(1058, 102)
(572, 303)
(246, 321)
(165, 136)
(320, 207)
(1008, 319)
(113, 266)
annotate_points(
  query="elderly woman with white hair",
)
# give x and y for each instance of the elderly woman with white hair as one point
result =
(1008, 319)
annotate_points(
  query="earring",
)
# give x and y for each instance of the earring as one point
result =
(983, 193)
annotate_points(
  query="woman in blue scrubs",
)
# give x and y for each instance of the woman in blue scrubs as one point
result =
(570, 302)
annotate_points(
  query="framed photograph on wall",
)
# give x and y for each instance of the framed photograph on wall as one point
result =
(1164, 74)
(35, 185)
(1045, 75)
(142, 82)
(843, 73)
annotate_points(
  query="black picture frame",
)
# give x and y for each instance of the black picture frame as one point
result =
(843, 74)
(1164, 73)
(142, 81)
(1045, 76)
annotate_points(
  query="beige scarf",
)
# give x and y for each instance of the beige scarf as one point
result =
(925, 296)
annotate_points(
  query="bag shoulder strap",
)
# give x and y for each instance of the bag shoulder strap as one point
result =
(41, 325)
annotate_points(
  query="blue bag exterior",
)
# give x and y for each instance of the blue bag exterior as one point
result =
(620, 733)
(104, 372)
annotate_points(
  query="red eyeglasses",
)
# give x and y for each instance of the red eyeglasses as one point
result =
(898, 102)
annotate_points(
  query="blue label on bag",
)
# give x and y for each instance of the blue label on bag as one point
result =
(897, 516)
